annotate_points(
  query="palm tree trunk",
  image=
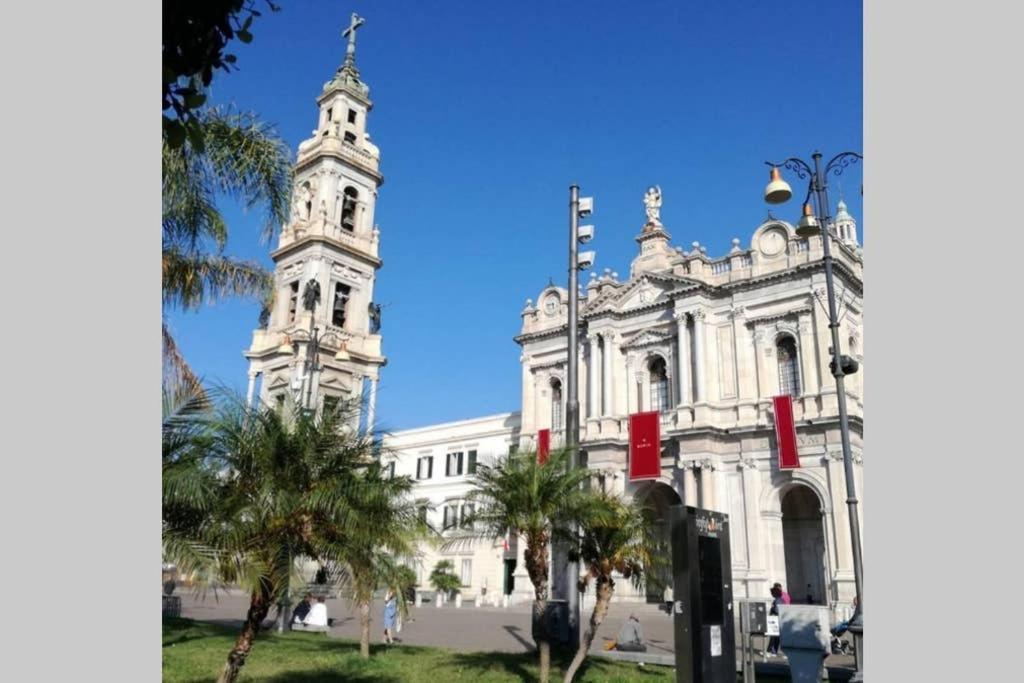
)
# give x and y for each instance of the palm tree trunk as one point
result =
(364, 629)
(537, 568)
(605, 589)
(259, 606)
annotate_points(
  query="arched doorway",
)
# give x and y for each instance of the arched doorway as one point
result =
(803, 540)
(657, 499)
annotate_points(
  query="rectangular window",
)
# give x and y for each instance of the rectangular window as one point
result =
(471, 465)
(467, 573)
(293, 300)
(279, 401)
(467, 512)
(451, 517)
(351, 115)
(454, 466)
(341, 294)
(350, 138)
(425, 467)
(423, 513)
(330, 114)
(389, 470)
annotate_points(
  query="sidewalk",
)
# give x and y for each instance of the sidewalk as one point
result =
(480, 629)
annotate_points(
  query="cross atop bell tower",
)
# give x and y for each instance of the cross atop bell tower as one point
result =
(350, 51)
(322, 341)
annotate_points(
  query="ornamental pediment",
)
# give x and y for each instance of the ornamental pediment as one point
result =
(278, 381)
(647, 338)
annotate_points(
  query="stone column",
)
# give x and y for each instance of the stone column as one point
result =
(746, 386)
(840, 522)
(528, 418)
(700, 388)
(252, 387)
(371, 411)
(707, 485)
(683, 344)
(631, 405)
(593, 377)
(808, 366)
(689, 484)
(607, 408)
(751, 488)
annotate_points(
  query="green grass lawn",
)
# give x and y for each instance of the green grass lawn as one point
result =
(194, 652)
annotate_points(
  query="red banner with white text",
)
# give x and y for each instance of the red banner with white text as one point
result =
(785, 433)
(543, 445)
(644, 446)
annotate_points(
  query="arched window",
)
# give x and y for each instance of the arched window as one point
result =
(348, 208)
(789, 366)
(556, 405)
(659, 384)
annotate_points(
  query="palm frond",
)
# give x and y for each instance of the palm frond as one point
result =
(191, 279)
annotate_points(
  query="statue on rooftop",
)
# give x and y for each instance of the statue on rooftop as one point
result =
(652, 201)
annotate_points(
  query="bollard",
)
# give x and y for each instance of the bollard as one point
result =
(438, 601)
(458, 600)
(504, 601)
(805, 638)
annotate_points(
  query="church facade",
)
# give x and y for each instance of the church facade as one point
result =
(707, 343)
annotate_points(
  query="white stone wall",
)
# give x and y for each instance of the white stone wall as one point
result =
(491, 437)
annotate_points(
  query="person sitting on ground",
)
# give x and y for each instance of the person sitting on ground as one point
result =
(631, 636)
(302, 609)
(839, 629)
(318, 614)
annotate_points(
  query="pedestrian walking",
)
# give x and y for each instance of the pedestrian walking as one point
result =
(390, 616)
(779, 597)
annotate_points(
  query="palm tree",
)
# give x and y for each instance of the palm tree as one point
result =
(279, 487)
(443, 578)
(237, 156)
(619, 539)
(389, 527)
(539, 501)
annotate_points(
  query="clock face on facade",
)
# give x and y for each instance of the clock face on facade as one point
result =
(772, 242)
(551, 305)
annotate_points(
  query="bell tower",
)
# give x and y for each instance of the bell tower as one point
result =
(321, 341)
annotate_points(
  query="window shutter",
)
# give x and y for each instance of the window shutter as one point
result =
(471, 469)
(460, 462)
(430, 467)
(448, 465)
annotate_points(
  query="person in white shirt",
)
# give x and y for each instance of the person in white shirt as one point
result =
(317, 614)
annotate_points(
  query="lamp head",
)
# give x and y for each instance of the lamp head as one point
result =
(808, 225)
(777, 191)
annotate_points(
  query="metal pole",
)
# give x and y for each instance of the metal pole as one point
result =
(314, 351)
(857, 623)
(572, 409)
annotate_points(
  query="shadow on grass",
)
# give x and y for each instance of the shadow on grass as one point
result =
(514, 632)
(500, 662)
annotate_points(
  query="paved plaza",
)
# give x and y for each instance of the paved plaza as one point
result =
(464, 629)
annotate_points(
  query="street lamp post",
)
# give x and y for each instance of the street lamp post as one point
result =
(778, 192)
(577, 261)
(311, 365)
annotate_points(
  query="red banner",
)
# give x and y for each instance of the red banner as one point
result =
(785, 433)
(644, 446)
(543, 445)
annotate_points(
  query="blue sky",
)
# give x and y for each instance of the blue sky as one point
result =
(485, 113)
